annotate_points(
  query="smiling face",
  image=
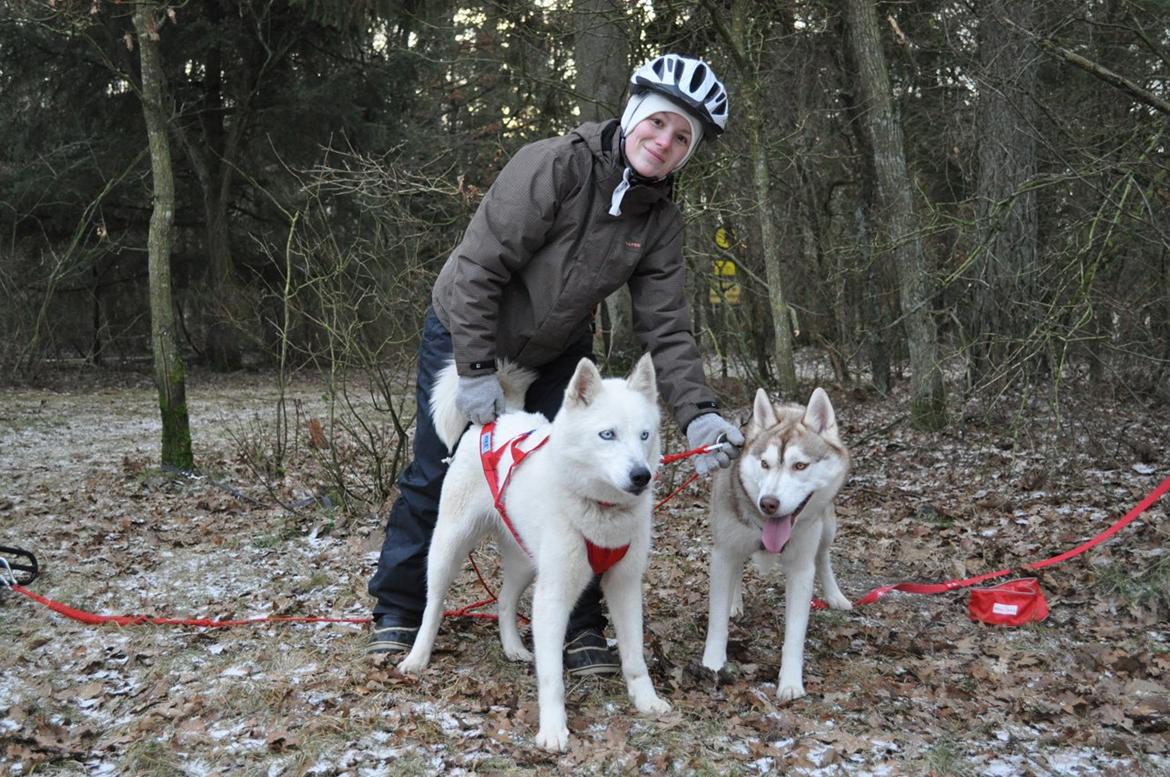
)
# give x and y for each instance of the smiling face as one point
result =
(656, 146)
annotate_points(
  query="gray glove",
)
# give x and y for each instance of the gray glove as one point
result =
(480, 398)
(709, 429)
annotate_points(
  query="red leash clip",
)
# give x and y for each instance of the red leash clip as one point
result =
(1013, 603)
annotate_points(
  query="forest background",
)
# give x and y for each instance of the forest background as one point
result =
(920, 191)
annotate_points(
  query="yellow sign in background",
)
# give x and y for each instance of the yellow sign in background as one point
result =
(724, 238)
(724, 283)
(724, 287)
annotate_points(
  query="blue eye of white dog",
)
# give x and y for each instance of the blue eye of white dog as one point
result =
(607, 434)
(645, 435)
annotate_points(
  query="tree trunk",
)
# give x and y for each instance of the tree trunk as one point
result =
(873, 321)
(897, 215)
(214, 162)
(601, 53)
(224, 334)
(770, 244)
(96, 345)
(1006, 207)
(169, 374)
(739, 42)
(877, 345)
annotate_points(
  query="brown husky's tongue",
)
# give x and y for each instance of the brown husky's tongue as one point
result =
(776, 533)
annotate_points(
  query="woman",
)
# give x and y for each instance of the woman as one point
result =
(567, 221)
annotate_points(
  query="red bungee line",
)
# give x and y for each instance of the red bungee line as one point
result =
(467, 611)
(953, 585)
(877, 593)
(136, 620)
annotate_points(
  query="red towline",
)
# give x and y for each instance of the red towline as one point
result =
(953, 585)
(877, 593)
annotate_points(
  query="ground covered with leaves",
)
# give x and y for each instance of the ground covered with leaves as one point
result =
(907, 685)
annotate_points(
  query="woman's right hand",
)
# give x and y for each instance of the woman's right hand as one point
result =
(480, 398)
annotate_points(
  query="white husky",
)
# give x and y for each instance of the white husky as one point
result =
(776, 504)
(587, 490)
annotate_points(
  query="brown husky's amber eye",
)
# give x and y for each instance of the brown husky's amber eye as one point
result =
(800, 466)
(764, 464)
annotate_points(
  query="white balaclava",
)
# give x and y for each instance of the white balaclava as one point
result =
(638, 108)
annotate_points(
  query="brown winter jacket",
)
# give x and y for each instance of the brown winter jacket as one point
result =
(542, 251)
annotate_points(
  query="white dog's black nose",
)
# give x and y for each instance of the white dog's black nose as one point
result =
(769, 505)
(639, 477)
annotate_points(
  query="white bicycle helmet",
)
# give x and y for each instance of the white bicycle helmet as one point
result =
(688, 81)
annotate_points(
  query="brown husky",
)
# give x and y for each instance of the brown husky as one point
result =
(776, 504)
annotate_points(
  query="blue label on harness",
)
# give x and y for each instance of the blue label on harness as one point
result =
(485, 442)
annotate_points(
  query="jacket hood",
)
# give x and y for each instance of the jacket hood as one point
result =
(604, 140)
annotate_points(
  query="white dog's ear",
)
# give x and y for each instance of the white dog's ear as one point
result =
(584, 384)
(763, 411)
(819, 415)
(642, 379)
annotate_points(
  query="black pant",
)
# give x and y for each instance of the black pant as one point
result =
(400, 582)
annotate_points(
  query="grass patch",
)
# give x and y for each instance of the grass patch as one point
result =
(152, 759)
(277, 538)
(946, 759)
(1144, 586)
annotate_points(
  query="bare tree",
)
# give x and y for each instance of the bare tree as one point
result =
(1006, 213)
(169, 374)
(896, 213)
(740, 44)
(601, 53)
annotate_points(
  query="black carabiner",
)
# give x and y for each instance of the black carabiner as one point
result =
(21, 566)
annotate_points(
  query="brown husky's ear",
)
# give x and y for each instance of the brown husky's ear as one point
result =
(819, 415)
(763, 411)
(584, 384)
(642, 378)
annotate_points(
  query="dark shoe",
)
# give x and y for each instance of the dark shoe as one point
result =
(392, 634)
(587, 653)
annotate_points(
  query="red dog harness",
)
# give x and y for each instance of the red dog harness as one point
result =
(600, 559)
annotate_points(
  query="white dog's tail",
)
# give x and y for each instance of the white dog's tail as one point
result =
(449, 422)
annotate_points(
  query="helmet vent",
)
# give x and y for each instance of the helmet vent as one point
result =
(697, 77)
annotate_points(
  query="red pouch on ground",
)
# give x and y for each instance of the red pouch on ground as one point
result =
(1013, 603)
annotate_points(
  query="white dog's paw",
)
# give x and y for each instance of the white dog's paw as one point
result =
(714, 659)
(839, 602)
(654, 705)
(411, 665)
(790, 692)
(556, 741)
(519, 654)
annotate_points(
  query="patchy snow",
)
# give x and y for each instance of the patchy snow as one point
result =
(905, 685)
